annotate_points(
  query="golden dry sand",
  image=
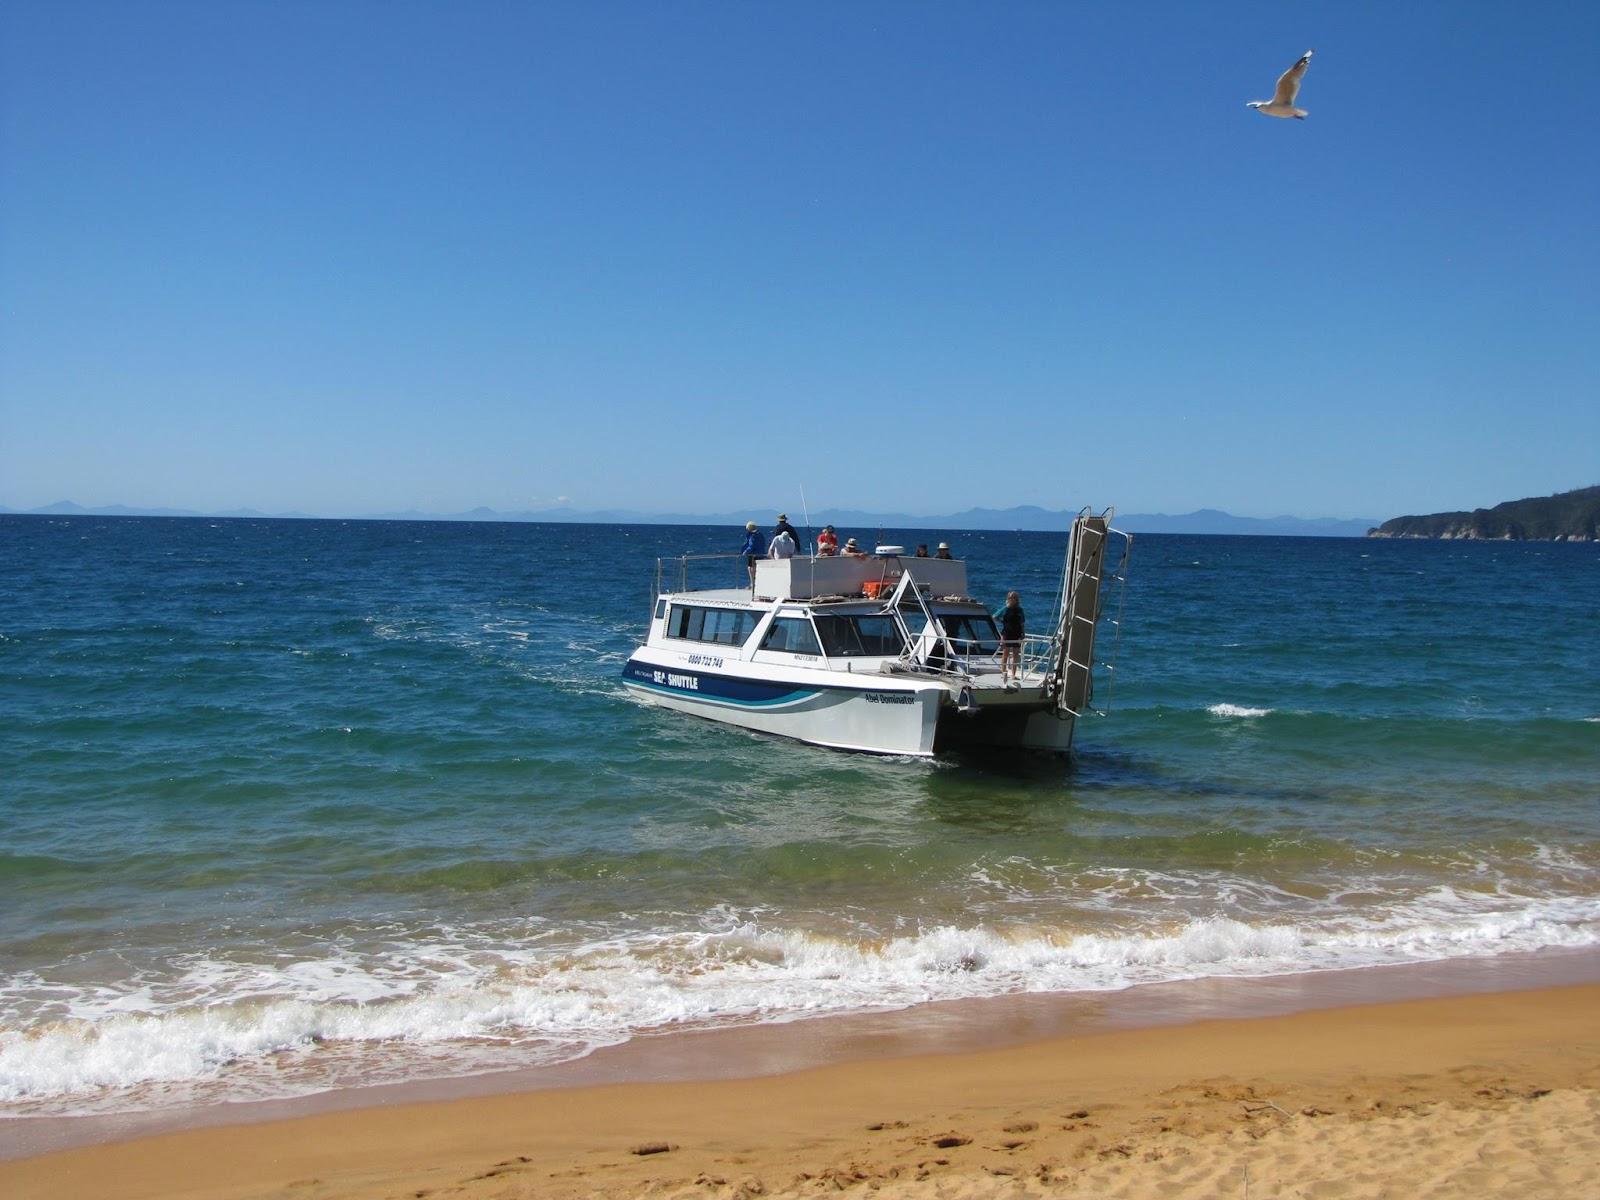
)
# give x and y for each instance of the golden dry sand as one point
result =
(1475, 1096)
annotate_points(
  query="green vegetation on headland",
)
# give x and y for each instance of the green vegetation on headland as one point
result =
(1564, 517)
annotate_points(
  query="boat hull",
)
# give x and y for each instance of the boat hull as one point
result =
(874, 713)
(1034, 727)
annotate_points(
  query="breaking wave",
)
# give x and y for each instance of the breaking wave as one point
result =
(1236, 710)
(438, 1010)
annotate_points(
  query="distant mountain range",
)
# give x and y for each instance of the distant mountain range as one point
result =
(1031, 517)
(66, 508)
(1565, 517)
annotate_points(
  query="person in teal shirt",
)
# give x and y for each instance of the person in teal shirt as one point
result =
(1012, 624)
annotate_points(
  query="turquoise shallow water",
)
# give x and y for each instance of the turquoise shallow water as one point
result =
(295, 805)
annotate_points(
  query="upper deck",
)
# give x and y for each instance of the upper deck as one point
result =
(805, 578)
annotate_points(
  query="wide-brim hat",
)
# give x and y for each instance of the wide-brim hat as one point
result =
(783, 516)
(749, 524)
(944, 545)
(849, 541)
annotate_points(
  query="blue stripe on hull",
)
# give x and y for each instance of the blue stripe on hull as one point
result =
(724, 689)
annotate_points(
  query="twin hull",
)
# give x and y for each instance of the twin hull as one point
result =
(883, 653)
(848, 710)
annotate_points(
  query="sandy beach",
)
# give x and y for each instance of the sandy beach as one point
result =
(1469, 1096)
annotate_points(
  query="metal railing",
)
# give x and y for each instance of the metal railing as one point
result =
(952, 657)
(1038, 654)
(964, 657)
(738, 577)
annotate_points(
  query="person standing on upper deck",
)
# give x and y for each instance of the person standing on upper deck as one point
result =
(783, 526)
(1012, 624)
(754, 547)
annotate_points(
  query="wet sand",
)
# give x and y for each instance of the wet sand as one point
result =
(1496, 1093)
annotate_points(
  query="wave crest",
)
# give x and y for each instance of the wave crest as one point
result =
(1236, 710)
(524, 1007)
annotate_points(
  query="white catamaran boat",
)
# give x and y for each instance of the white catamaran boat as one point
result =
(884, 653)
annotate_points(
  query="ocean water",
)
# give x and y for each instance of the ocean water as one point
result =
(289, 806)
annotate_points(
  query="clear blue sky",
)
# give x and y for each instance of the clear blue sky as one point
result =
(353, 257)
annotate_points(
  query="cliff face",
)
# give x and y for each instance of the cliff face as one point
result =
(1565, 517)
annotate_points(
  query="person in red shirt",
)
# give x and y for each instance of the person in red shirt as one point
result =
(827, 542)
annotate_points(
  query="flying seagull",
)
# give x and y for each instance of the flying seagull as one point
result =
(1282, 102)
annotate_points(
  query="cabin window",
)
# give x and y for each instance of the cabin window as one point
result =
(971, 633)
(792, 634)
(725, 626)
(661, 609)
(855, 637)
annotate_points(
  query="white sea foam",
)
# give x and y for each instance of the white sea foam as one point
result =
(1236, 710)
(235, 1029)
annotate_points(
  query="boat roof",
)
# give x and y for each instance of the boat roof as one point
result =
(806, 578)
(740, 596)
(839, 580)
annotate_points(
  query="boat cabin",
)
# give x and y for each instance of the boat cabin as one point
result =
(823, 610)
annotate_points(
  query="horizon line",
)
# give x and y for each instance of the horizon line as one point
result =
(66, 507)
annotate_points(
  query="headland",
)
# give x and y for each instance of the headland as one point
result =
(1565, 517)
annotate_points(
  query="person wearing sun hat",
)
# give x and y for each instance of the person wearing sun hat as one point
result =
(783, 526)
(755, 546)
(851, 550)
(944, 550)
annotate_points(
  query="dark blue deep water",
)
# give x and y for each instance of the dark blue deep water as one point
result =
(289, 805)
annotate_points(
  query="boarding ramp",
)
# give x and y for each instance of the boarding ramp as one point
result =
(1083, 594)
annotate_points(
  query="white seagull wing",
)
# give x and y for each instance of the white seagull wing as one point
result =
(1289, 81)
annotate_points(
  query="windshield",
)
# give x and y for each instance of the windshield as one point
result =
(855, 637)
(971, 633)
